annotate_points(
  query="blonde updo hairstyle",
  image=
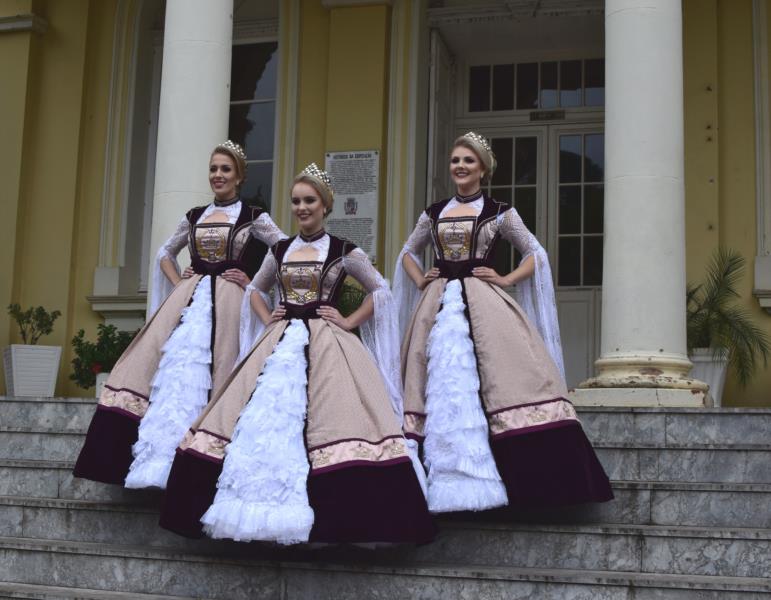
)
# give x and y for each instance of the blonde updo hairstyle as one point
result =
(485, 156)
(238, 160)
(325, 193)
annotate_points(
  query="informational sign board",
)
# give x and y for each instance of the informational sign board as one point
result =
(355, 179)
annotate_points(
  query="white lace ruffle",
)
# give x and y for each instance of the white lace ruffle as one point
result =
(462, 474)
(261, 492)
(180, 391)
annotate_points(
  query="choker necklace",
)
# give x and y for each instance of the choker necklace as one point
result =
(466, 199)
(314, 236)
(221, 204)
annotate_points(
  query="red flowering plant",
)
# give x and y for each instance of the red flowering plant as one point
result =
(92, 358)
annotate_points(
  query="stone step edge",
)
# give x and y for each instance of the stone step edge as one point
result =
(30, 590)
(682, 531)
(727, 410)
(570, 576)
(730, 447)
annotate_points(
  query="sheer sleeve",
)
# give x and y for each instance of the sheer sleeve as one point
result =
(264, 229)
(405, 291)
(161, 286)
(251, 326)
(535, 295)
(380, 335)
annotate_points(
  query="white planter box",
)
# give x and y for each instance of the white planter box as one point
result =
(31, 370)
(710, 371)
(100, 379)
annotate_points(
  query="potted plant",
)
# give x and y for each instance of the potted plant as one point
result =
(720, 333)
(94, 360)
(30, 369)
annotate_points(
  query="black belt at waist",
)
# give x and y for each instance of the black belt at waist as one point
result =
(304, 311)
(201, 267)
(459, 269)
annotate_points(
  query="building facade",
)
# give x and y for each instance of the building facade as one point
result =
(633, 137)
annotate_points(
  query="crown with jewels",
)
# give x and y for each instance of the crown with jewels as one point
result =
(234, 148)
(475, 137)
(314, 171)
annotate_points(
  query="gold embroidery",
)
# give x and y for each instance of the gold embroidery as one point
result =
(124, 400)
(211, 242)
(301, 281)
(352, 450)
(455, 238)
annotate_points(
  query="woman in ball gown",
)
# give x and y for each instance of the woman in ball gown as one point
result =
(190, 343)
(305, 442)
(484, 387)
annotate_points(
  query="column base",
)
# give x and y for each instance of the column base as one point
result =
(640, 397)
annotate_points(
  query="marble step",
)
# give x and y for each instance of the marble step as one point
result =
(605, 426)
(637, 502)
(713, 464)
(51, 592)
(156, 570)
(741, 552)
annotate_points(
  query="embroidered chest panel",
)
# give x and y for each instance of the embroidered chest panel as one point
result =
(301, 281)
(455, 237)
(211, 241)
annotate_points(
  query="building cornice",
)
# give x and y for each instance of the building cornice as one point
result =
(512, 10)
(329, 4)
(24, 22)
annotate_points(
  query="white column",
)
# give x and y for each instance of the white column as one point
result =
(194, 107)
(644, 358)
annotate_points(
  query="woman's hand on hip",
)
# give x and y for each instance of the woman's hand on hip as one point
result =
(332, 315)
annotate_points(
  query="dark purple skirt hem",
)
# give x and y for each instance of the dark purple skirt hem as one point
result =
(106, 454)
(551, 467)
(356, 504)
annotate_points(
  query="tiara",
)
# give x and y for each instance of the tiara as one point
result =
(314, 171)
(234, 148)
(475, 137)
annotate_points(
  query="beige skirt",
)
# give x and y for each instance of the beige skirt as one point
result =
(349, 414)
(518, 378)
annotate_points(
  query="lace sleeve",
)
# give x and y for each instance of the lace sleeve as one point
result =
(251, 326)
(405, 292)
(161, 286)
(264, 229)
(535, 294)
(513, 230)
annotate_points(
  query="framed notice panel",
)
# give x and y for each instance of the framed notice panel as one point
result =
(355, 179)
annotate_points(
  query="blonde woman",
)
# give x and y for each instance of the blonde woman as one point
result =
(305, 442)
(484, 388)
(190, 343)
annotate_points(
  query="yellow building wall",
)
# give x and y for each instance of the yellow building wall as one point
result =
(720, 155)
(62, 166)
(343, 85)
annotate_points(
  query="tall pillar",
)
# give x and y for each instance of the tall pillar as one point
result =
(644, 357)
(194, 107)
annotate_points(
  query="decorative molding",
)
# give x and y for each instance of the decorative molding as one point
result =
(243, 31)
(126, 312)
(24, 22)
(255, 29)
(330, 4)
(762, 283)
(512, 10)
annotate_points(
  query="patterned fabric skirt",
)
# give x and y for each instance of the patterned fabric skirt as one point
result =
(162, 382)
(302, 444)
(488, 405)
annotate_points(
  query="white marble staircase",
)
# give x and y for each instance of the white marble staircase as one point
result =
(691, 520)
